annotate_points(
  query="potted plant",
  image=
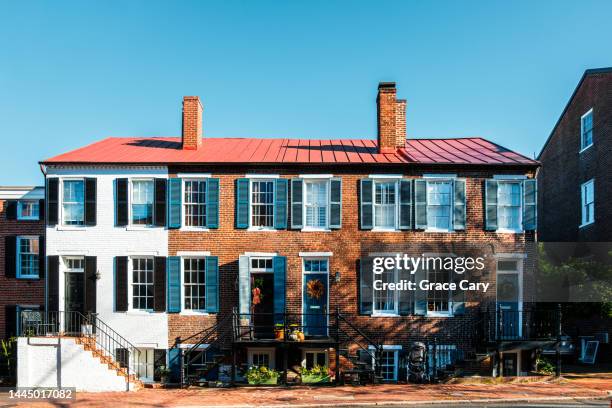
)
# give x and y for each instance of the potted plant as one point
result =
(262, 376)
(279, 331)
(315, 375)
(163, 374)
(295, 333)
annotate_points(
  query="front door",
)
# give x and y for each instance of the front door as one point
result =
(262, 304)
(74, 301)
(510, 364)
(509, 299)
(315, 296)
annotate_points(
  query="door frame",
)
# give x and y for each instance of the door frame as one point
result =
(519, 258)
(304, 273)
(518, 362)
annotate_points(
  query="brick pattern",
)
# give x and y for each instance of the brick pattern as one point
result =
(400, 123)
(387, 117)
(192, 123)
(17, 291)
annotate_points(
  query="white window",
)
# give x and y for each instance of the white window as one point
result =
(588, 202)
(261, 264)
(142, 283)
(509, 205)
(439, 204)
(586, 130)
(74, 264)
(27, 257)
(28, 210)
(261, 357)
(385, 300)
(314, 358)
(142, 202)
(73, 202)
(194, 284)
(438, 301)
(195, 203)
(385, 204)
(262, 203)
(316, 203)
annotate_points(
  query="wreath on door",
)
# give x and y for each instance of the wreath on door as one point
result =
(315, 289)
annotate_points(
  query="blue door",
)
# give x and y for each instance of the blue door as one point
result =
(508, 300)
(315, 296)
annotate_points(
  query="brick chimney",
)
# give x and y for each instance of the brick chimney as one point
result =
(192, 123)
(391, 118)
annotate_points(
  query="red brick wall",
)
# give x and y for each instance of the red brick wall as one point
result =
(17, 291)
(192, 123)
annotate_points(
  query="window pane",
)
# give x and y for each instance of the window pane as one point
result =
(439, 198)
(385, 300)
(262, 204)
(195, 203)
(388, 365)
(316, 204)
(438, 300)
(509, 205)
(73, 202)
(194, 283)
(28, 257)
(142, 283)
(28, 209)
(384, 204)
(142, 202)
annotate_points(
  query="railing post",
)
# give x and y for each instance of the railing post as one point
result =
(435, 359)
(337, 323)
(558, 348)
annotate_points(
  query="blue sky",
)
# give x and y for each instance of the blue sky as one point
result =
(75, 72)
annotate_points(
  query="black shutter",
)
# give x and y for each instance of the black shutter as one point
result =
(11, 210)
(41, 210)
(121, 202)
(296, 204)
(10, 317)
(366, 281)
(90, 201)
(121, 284)
(91, 270)
(159, 284)
(10, 256)
(52, 192)
(406, 298)
(41, 257)
(367, 207)
(160, 202)
(53, 283)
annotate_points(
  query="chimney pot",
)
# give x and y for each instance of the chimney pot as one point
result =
(192, 123)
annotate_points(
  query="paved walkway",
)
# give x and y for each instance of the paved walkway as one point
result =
(296, 397)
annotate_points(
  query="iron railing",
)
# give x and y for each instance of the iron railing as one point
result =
(521, 325)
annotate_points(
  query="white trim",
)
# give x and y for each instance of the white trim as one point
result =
(60, 206)
(396, 186)
(271, 179)
(29, 217)
(315, 350)
(22, 193)
(184, 226)
(509, 177)
(260, 254)
(386, 176)
(194, 175)
(306, 228)
(316, 254)
(130, 268)
(271, 351)
(439, 176)
(586, 148)
(316, 176)
(131, 226)
(18, 274)
(185, 311)
(261, 176)
(192, 254)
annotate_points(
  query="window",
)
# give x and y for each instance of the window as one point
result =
(588, 202)
(509, 205)
(262, 203)
(142, 202)
(388, 365)
(27, 257)
(439, 199)
(73, 202)
(586, 130)
(261, 357)
(438, 301)
(195, 203)
(314, 358)
(74, 264)
(316, 204)
(194, 271)
(261, 265)
(385, 300)
(315, 265)
(142, 283)
(28, 210)
(385, 194)
(446, 355)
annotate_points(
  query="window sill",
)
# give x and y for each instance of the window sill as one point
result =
(135, 312)
(509, 231)
(585, 148)
(194, 229)
(439, 314)
(586, 224)
(70, 228)
(438, 230)
(312, 229)
(260, 229)
(141, 228)
(375, 229)
(27, 277)
(28, 219)
(377, 314)
(193, 313)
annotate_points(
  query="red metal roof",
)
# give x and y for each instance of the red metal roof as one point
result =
(167, 150)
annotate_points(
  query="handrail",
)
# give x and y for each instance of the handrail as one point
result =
(209, 332)
(362, 334)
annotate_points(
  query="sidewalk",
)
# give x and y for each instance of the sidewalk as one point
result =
(294, 397)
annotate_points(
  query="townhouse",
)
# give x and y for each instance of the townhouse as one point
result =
(210, 255)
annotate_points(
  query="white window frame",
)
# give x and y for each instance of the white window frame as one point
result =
(395, 349)
(584, 204)
(518, 181)
(304, 273)
(131, 283)
(395, 293)
(315, 351)
(131, 203)
(270, 351)
(583, 146)
(312, 180)
(21, 217)
(441, 179)
(439, 313)
(257, 179)
(18, 274)
(384, 180)
(183, 309)
(185, 179)
(61, 200)
(519, 259)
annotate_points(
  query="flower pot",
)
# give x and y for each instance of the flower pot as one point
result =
(269, 381)
(300, 336)
(279, 334)
(315, 379)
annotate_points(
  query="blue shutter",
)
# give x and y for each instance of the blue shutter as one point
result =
(406, 298)
(529, 205)
(174, 364)
(173, 271)
(459, 205)
(367, 207)
(420, 204)
(405, 215)
(242, 203)
(297, 191)
(175, 186)
(212, 284)
(212, 203)
(366, 280)
(491, 205)
(420, 296)
(335, 203)
(279, 265)
(280, 204)
(244, 288)
(457, 296)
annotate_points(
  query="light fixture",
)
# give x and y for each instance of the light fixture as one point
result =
(337, 277)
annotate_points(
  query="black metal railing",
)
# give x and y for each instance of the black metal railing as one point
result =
(516, 325)
(284, 326)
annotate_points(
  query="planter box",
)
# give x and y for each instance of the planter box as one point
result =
(269, 381)
(315, 379)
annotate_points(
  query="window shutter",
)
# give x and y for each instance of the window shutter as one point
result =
(491, 205)
(160, 202)
(159, 284)
(420, 296)
(41, 210)
(367, 207)
(280, 204)
(279, 265)
(405, 296)
(11, 210)
(91, 270)
(42, 261)
(212, 284)
(10, 256)
(121, 284)
(90, 201)
(10, 317)
(53, 283)
(242, 203)
(530, 205)
(457, 296)
(297, 194)
(212, 203)
(174, 364)
(335, 203)
(52, 192)
(121, 202)
(244, 288)
(420, 204)
(175, 187)
(174, 284)
(405, 216)
(366, 281)
(459, 207)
